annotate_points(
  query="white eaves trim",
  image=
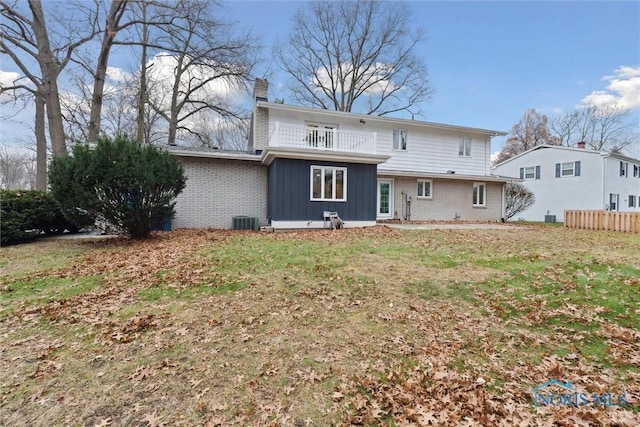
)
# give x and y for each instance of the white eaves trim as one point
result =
(460, 177)
(271, 153)
(214, 154)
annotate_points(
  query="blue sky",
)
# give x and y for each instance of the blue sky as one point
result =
(491, 61)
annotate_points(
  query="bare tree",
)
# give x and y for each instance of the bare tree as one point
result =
(355, 56)
(16, 169)
(209, 64)
(604, 127)
(565, 127)
(19, 97)
(532, 130)
(219, 133)
(25, 37)
(142, 90)
(518, 198)
(112, 26)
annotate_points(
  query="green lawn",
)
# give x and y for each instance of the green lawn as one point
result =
(351, 327)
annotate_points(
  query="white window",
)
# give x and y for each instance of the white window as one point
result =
(636, 170)
(567, 169)
(613, 201)
(479, 194)
(530, 172)
(400, 140)
(424, 189)
(464, 147)
(328, 183)
(624, 169)
(632, 201)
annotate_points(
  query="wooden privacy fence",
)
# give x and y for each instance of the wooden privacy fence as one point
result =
(603, 220)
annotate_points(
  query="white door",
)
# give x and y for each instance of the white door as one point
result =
(385, 198)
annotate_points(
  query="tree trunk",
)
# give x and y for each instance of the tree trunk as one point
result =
(142, 96)
(113, 19)
(50, 69)
(41, 144)
(174, 109)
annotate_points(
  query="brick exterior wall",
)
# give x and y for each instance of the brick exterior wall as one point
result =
(261, 128)
(450, 197)
(218, 190)
(260, 133)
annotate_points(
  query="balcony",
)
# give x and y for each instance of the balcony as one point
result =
(322, 138)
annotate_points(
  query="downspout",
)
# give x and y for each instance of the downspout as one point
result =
(502, 212)
(604, 181)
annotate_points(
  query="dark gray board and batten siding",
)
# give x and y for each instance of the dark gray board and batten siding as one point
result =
(290, 199)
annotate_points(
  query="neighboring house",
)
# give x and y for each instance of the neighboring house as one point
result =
(575, 178)
(302, 162)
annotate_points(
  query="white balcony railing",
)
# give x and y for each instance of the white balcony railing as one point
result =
(317, 138)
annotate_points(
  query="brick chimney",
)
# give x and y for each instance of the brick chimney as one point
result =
(259, 130)
(261, 90)
(582, 145)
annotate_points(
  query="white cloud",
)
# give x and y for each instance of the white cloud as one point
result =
(494, 156)
(7, 78)
(161, 77)
(376, 73)
(118, 74)
(623, 90)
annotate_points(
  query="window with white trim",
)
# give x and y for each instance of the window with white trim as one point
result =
(632, 201)
(328, 183)
(530, 172)
(624, 169)
(636, 171)
(567, 169)
(479, 194)
(613, 201)
(425, 189)
(464, 147)
(400, 140)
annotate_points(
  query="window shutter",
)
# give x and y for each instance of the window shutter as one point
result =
(557, 170)
(537, 172)
(576, 170)
(521, 173)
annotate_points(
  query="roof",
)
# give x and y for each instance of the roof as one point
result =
(433, 175)
(580, 150)
(271, 153)
(381, 119)
(213, 153)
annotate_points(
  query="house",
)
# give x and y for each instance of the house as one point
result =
(303, 162)
(575, 178)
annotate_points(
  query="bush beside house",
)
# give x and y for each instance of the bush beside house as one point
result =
(131, 186)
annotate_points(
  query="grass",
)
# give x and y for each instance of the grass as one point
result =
(316, 328)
